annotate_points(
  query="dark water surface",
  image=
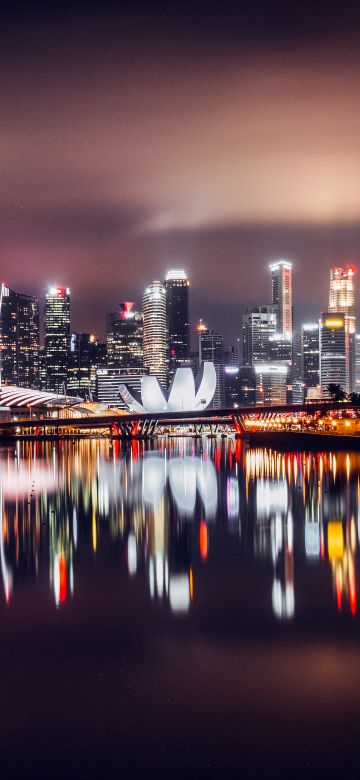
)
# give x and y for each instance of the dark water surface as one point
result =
(189, 610)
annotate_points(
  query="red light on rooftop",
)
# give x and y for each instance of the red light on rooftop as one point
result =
(126, 310)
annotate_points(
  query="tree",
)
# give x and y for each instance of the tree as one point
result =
(355, 399)
(336, 392)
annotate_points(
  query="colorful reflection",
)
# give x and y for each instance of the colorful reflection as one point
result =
(171, 510)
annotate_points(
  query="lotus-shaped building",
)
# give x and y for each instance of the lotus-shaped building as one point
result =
(186, 394)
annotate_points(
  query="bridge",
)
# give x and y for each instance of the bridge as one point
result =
(325, 418)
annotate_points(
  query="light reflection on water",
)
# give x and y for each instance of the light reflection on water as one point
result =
(167, 510)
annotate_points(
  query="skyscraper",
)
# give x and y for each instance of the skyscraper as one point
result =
(333, 339)
(8, 335)
(155, 340)
(19, 338)
(57, 337)
(342, 301)
(259, 324)
(177, 309)
(82, 357)
(281, 294)
(310, 354)
(28, 336)
(125, 337)
(211, 348)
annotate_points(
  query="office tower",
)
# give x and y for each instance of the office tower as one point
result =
(177, 309)
(232, 386)
(42, 368)
(259, 323)
(155, 338)
(281, 294)
(271, 383)
(100, 361)
(310, 355)
(296, 395)
(19, 338)
(231, 375)
(211, 348)
(109, 381)
(8, 335)
(82, 357)
(28, 369)
(57, 337)
(342, 301)
(280, 347)
(333, 348)
(125, 337)
(357, 362)
(247, 386)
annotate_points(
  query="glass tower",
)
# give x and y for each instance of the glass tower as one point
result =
(342, 301)
(281, 294)
(125, 337)
(155, 338)
(177, 309)
(310, 354)
(8, 335)
(57, 337)
(28, 337)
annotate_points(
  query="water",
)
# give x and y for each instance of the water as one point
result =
(186, 609)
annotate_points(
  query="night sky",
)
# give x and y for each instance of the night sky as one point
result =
(212, 136)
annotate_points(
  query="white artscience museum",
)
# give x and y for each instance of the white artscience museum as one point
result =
(186, 394)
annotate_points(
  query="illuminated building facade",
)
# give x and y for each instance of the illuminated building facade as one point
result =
(271, 383)
(232, 387)
(281, 294)
(19, 338)
(357, 362)
(57, 337)
(28, 336)
(155, 336)
(333, 345)
(342, 301)
(310, 354)
(82, 359)
(247, 386)
(177, 309)
(259, 323)
(125, 337)
(211, 349)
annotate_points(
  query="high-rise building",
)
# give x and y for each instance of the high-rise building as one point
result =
(82, 357)
(297, 382)
(357, 362)
(19, 338)
(333, 341)
(177, 309)
(247, 386)
(155, 337)
(28, 336)
(310, 355)
(57, 337)
(271, 383)
(8, 335)
(259, 324)
(281, 294)
(125, 337)
(42, 368)
(342, 301)
(211, 348)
